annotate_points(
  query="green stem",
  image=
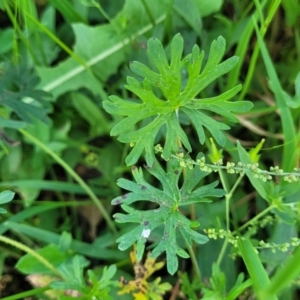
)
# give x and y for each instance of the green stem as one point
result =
(252, 168)
(33, 253)
(228, 197)
(192, 208)
(258, 216)
(76, 177)
(194, 261)
(222, 252)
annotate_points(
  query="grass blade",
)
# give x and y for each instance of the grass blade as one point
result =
(57, 40)
(289, 133)
(77, 246)
(254, 266)
(284, 277)
(255, 53)
(48, 185)
(67, 10)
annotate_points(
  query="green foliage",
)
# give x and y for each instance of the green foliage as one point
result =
(17, 83)
(217, 288)
(169, 200)
(72, 272)
(254, 266)
(238, 197)
(29, 265)
(72, 277)
(177, 83)
(5, 197)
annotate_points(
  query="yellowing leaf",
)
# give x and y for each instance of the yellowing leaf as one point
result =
(140, 288)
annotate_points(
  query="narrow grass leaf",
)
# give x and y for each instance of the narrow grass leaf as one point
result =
(254, 266)
(67, 10)
(288, 127)
(48, 185)
(29, 212)
(76, 246)
(284, 276)
(59, 42)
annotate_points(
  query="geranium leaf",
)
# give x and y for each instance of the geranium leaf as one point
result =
(163, 96)
(170, 198)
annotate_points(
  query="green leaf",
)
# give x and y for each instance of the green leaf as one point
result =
(295, 101)
(169, 200)
(19, 94)
(207, 7)
(67, 10)
(72, 272)
(188, 10)
(6, 40)
(238, 288)
(284, 276)
(98, 251)
(254, 266)
(30, 265)
(90, 112)
(65, 241)
(102, 55)
(291, 11)
(162, 98)
(50, 185)
(217, 289)
(5, 123)
(263, 188)
(108, 273)
(218, 280)
(289, 132)
(6, 196)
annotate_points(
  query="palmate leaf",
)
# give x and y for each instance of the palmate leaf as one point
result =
(163, 98)
(169, 199)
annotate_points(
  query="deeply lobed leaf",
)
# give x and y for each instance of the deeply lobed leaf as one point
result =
(169, 199)
(163, 96)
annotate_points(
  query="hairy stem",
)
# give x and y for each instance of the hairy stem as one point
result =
(28, 250)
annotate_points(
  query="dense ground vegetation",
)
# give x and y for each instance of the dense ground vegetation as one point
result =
(150, 149)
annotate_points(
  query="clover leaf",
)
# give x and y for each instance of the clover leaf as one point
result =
(169, 199)
(168, 92)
